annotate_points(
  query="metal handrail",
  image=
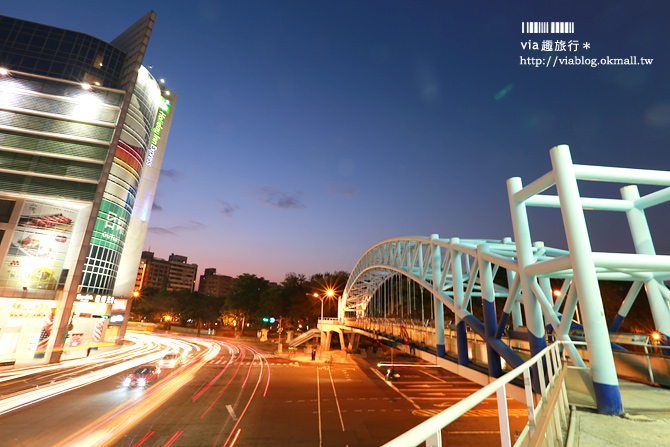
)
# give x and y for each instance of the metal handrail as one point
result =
(431, 428)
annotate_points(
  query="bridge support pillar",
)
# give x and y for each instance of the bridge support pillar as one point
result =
(327, 338)
(489, 308)
(603, 371)
(644, 245)
(354, 339)
(459, 297)
(524, 252)
(343, 345)
(438, 306)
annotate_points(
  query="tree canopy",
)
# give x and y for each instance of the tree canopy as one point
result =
(250, 299)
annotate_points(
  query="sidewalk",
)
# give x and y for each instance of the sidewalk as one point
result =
(645, 423)
(325, 357)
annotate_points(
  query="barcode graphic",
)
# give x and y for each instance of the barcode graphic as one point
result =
(548, 27)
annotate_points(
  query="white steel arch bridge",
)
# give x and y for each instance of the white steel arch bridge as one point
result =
(519, 274)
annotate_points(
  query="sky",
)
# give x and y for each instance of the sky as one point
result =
(307, 131)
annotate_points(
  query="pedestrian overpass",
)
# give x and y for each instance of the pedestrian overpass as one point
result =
(519, 312)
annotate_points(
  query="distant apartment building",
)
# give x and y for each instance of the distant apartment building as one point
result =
(173, 274)
(213, 284)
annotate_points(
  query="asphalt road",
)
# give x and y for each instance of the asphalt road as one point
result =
(244, 396)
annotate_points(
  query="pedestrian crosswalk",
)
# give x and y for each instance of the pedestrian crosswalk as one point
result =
(223, 361)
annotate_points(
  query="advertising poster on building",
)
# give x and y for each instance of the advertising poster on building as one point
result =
(38, 247)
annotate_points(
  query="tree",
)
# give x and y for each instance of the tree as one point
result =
(199, 307)
(155, 304)
(245, 297)
(320, 283)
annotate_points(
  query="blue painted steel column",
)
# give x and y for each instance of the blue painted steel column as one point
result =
(437, 304)
(625, 306)
(644, 245)
(603, 371)
(524, 253)
(515, 311)
(459, 298)
(489, 307)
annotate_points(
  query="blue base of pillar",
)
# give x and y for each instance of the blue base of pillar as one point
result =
(608, 399)
(616, 324)
(441, 352)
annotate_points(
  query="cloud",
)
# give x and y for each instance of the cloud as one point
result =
(174, 231)
(156, 207)
(192, 226)
(159, 230)
(227, 209)
(172, 174)
(270, 196)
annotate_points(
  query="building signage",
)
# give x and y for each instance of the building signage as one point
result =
(102, 299)
(38, 248)
(163, 110)
(120, 304)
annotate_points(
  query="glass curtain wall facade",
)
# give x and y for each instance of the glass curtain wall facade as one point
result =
(58, 53)
(54, 138)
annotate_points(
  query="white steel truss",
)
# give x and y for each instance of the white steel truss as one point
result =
(460, 270)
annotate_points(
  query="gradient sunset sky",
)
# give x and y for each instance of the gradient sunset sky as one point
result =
(307, 131)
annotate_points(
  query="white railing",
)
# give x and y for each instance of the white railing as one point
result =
(548, 419)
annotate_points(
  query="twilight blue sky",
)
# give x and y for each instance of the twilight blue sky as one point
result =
(307, 131)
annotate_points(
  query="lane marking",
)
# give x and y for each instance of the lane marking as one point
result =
(231, 411)
(253, 393)
(396, 389)
(318, 397)
(336, 401)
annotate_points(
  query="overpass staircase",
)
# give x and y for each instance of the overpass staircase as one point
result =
(305, 337)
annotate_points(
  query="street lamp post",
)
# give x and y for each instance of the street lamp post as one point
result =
(329, 293)
(316, 295)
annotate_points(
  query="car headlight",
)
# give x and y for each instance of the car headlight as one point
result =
(141, 382)
(126, 381)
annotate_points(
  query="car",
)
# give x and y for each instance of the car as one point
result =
(171, 360)
(142, 376)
